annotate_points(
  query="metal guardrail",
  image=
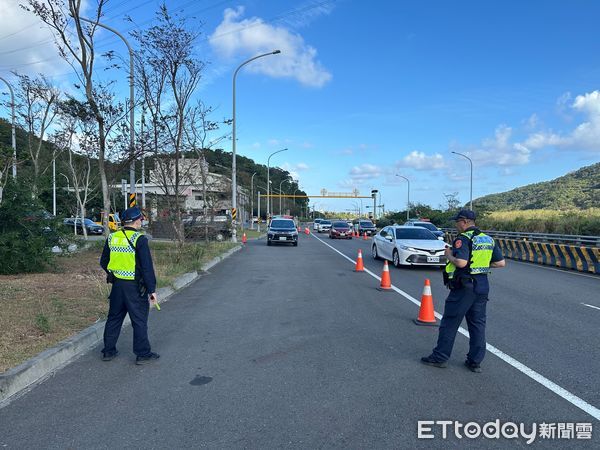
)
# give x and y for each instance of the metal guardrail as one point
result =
(585, 241)
(581, 253)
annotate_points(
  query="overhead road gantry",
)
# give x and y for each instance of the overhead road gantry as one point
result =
(324, 194)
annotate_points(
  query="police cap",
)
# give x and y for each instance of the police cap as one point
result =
(130, 215)
(464, 214)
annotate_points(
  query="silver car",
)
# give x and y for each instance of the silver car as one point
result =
(409, 246)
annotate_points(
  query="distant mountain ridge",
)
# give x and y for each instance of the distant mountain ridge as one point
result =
(576, 190)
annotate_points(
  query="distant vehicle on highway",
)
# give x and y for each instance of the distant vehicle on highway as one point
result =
(114, 222)
(325, 225)
(77, 225)
(316, 223)
(364, 226)
(340, 230)
(282, 231)
(409, 245)
(428, 225)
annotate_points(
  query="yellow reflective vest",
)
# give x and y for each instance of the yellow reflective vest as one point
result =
(482, 247)
(122, 256)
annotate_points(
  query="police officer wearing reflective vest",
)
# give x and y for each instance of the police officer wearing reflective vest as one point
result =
(127, 261)
(472, 255)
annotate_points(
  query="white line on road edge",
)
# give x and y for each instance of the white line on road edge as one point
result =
(571, 398)
(591, 306)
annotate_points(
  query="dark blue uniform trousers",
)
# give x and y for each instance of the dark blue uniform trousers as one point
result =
(125, 299)
(463, 303)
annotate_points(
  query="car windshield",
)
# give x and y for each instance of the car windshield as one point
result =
(366, 223)
(429, 226)
(325, 222)
(89, 222)
(340, 225)
(414, 233)
(283, 224)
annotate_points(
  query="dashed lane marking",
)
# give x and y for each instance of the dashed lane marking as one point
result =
(590, 306)
(558, 390)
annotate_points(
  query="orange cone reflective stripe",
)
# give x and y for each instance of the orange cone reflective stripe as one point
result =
(359, 262)
(426, 312)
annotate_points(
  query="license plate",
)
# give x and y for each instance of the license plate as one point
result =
(433, 259)
(282, 238)
(342, 234)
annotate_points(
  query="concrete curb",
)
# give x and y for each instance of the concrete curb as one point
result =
(20, 379)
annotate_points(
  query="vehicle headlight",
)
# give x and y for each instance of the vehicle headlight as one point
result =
(404, 247)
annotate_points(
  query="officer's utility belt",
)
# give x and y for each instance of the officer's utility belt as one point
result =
(457, 282)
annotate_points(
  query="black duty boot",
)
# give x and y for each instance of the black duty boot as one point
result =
(473, 367)
(146, 359)
(430, 361)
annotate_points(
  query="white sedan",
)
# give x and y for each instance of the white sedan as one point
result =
(410, 246)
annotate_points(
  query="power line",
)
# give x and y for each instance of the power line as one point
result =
(111, 39)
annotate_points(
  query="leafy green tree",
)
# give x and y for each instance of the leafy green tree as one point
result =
(27, 231)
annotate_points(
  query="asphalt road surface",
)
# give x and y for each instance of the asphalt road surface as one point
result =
(287, 347)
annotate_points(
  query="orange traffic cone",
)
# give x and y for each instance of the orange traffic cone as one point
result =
(244, 238)
(426, 314)
(386, 282)
(306, 231)
(359, 262)
(365, 236)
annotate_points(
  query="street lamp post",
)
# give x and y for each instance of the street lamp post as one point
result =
(295, 203)
(268, 180)
(14, 139)
(68, 188)
(281, 193)
(407, 196)
(471, 164)
(252, 201)
(131, 101)
(233, 145)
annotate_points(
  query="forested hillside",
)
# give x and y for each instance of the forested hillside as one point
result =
(575, 190)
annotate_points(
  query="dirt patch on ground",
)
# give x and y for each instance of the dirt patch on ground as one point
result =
(37, 311)
(40, 310)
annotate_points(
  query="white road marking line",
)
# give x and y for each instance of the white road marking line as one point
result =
(591, 306)
(541, 266)
(571, 398)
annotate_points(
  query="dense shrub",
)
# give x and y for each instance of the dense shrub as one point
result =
(27, 232)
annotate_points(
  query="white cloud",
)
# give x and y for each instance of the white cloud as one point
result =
(532, 122)
(585, 136)
(348, 184)
(308, 12)
(295, 169)
(365, 172)
(236, 37)
(26, 44)
(421, 161)
(499, 150)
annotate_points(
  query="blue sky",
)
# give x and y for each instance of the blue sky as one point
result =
(366, 90)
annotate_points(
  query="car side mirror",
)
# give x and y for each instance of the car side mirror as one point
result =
(388, 237)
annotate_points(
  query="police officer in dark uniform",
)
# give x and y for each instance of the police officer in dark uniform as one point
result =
(127, 261)
(472, 255)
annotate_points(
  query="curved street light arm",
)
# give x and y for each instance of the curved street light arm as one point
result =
(132, 183)
(471, 189)
(233, 144)
(407, 196)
